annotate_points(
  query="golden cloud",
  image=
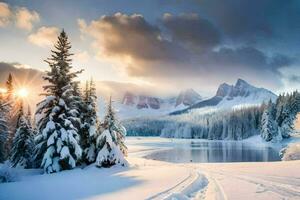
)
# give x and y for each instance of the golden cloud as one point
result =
(5, 14)
(20, 16)
(44, 36)
(26, 18)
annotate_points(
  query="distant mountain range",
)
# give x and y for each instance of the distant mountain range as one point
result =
(185, 98)
(135, 105)
(230, 96)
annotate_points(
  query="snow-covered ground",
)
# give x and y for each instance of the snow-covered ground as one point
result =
(150, 179)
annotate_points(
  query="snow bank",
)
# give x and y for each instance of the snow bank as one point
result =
(292, 152)
(7, 174)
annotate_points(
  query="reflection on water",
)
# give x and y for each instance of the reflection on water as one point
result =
(216, 151)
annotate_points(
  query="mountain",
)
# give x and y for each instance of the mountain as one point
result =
(187, 98)
(135, 105)
(231, 96)
(141, 101)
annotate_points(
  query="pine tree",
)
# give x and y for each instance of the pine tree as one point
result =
(12, 109)
(9, 88)
(90, 123)
(23, 144)
(3, 128)
(111, 141)
(269, 129)
(58, 139)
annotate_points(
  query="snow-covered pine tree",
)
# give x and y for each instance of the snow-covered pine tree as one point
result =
(111, 141)
(3, 128)
(297, 102)
(9, 88)
(288, 117)
(269, 128)
(58, 139)
(23, 143)
(12, 109)
(83, 132)
(89, 131)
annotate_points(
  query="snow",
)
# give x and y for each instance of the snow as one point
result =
(150, 179)
(292, 152)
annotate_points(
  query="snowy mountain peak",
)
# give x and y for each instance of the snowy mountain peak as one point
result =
(232, 96)
(187, 97)
(223, 90)
(242, 83)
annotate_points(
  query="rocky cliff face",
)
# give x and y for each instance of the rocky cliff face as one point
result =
(141, 101)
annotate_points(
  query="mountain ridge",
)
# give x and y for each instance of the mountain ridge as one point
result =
(233, 95)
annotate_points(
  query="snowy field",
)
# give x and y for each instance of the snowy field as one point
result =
(151, 179)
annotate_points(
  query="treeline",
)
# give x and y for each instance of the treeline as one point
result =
(234, 125)
(273, 121)
(67, 131)
(278, 118)
(144, 126)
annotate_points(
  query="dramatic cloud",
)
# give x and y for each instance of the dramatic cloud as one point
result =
(197, 33)
(129, 36)
(44, 36)
(251, 21)
(26, 18)
(5, 14)
(190, 47)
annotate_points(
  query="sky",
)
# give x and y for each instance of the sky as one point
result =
(165, 45)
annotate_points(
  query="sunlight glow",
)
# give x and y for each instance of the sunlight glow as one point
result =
(22, 92)
(3, 90)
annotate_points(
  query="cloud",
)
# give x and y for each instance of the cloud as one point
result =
(129, 36)
(25, 18)
(245, 19)
(196, 32)
(5, 14)
(253, 21)
(44, 36)
(182, 46)
(294, 78)
(20, 16)
(245, 57)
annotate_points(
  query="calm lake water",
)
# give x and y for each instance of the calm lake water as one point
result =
(216, 151)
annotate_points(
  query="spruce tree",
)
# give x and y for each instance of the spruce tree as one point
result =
(12, 109)
(269, 129)
(9, 88)
(287, 116)
(3, 128)
(58, 139)
(90, 123)
(111, 141)
(23, 144)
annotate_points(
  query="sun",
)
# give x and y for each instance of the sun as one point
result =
(23, 92)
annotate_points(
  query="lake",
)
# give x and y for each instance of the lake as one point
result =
(216, 151)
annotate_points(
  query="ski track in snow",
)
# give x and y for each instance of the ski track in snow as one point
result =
(187, 182)
(282, 187)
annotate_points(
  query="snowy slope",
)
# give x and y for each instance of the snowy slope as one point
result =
(241, 94)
